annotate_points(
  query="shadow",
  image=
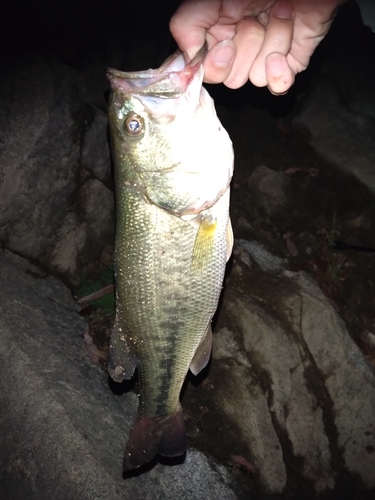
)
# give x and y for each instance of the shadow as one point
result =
(171, 461)
(195, 380)
(144, 469)
(139, 471)
(119, 388)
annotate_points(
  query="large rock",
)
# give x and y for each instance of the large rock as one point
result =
(95, 151)
(87, 233)
(339, 110)
(296, 384)
(38, 158)
(63, 431)
(270, 189)
(51, 209)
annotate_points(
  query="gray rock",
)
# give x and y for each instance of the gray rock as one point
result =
(343, 136)
(349, 382)
(38, 158)
(296, 384)
(368, 12)
(63, 430)
(98, 209)
(95, 151)
(265, 260)
(339, 109)
(86, 233)
(269, 188)
(69, 243)
(50, 210)
(243, 401)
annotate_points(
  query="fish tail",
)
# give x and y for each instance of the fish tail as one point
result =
(150, 436)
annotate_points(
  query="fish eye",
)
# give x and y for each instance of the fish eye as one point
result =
(133, 125)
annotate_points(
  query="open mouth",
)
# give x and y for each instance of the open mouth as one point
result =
(169, 81)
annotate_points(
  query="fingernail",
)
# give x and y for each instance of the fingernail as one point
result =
(224, 53)
(275, 64)
(282, 10)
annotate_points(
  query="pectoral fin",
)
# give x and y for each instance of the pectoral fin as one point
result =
(203, 352)
(204, 243)
(121, 363)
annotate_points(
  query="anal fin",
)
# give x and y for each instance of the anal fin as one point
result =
(203, 352)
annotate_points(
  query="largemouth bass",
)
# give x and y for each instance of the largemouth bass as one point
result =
(173, 165)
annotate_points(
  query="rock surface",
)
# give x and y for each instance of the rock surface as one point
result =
(56, 203)
(339, 112)
(312, 393)
(87, 233)
(95, 151)
(38, 157)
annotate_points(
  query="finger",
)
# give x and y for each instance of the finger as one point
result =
(248, 40)
(190, 23)
(218, 61)
(278, 39)
(279, 75)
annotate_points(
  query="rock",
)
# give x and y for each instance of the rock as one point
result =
(86, 234)
(38, 159)
(339, 110)
(367, 12)
(70, 242)
(265, 260)
(343, 137)
(296, 384)
(45, 213)
(63, 430)
(270, 188)
(243, 401)
(349, 382)
(95, 151)
(98, 209)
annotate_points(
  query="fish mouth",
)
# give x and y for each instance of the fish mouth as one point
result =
(170, 81)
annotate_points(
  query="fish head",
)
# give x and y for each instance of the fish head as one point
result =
(166, 138)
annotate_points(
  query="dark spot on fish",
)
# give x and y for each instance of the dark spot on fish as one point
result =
(173, 325)
(167, 373)
(370, 449)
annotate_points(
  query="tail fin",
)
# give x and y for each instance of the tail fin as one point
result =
(150, 436)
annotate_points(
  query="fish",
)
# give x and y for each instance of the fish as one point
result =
(173, 163)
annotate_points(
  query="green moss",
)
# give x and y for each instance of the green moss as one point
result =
(94, 284)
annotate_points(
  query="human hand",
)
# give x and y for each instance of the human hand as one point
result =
(265, 41)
